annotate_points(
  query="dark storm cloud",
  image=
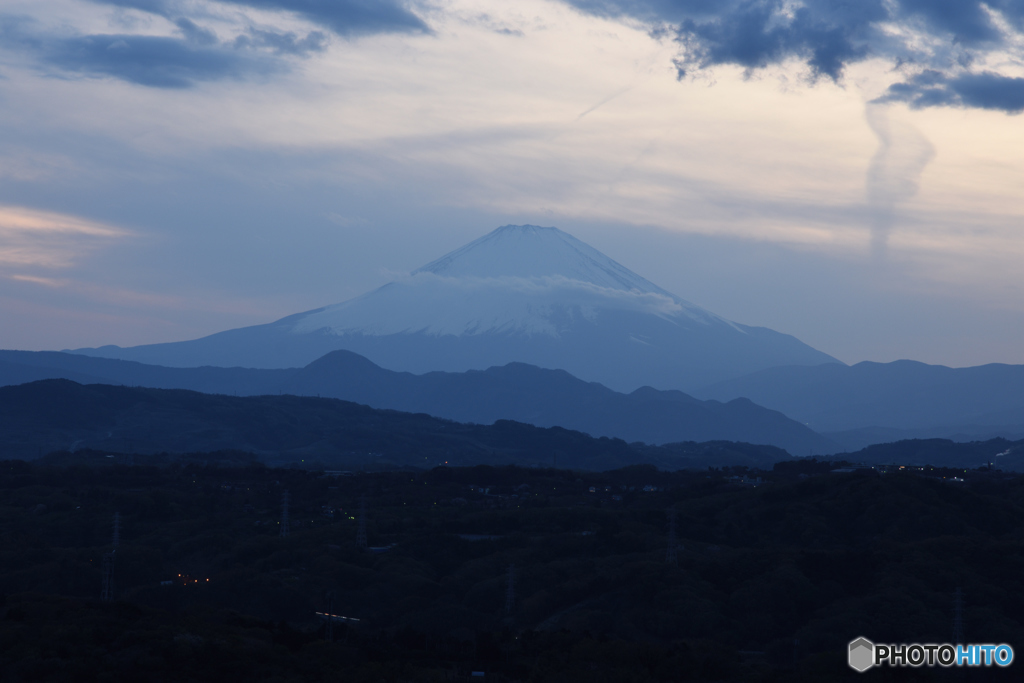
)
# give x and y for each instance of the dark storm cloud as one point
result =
(343, 17)
(828, 35)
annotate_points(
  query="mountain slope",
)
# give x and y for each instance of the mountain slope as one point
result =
(519, 294)
(516, 391)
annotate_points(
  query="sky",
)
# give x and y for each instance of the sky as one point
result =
(848, 173)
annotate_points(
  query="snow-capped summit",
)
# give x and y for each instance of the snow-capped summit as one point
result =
(520, 293)
(520, 279)
(530, 251)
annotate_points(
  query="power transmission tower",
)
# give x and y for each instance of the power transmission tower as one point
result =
(670, 553)
(108, 577)
(510, 591)
(958, 617)
(329, 628)
(285, 500)
(360, 535)
(108, 561)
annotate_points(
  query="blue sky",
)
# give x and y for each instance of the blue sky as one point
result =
(849, 173)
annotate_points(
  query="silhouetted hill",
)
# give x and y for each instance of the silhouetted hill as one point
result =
(55, 415)
(998, 453)
(517, 391)
(877, 402)
(18, 367)
(548, 398)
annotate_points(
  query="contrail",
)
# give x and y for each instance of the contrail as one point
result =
(605, 101)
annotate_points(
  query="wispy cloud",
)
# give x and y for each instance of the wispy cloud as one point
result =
(343, 17)
(30, 238)
(187, 51)
(894, 174)
(155, 61)
(348, 17)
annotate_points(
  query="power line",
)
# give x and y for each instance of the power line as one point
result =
(329, 628)
(671, 556)
(958, 616)
(361, 532)
(510, 591)
(285, 500)
(107, 593)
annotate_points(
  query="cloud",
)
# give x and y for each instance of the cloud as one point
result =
(161, 7)
(195, 33)
(343, 17)
(937, 43)
(197, 55)
(155, 61)
(967, 21)
(348, 17)
(283, 43)
(161, 61)
(756, 35)
(894, 173)
(43, 239)
(985, 90)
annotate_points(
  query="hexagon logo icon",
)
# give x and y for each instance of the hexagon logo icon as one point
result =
(862, 654)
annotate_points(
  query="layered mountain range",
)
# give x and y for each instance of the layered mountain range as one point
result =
(520, 392)
(530, 324)
(871, 403)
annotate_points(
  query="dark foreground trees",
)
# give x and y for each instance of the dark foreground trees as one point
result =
(770, 581)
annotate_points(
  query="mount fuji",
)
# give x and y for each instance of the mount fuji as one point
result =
(520, 293)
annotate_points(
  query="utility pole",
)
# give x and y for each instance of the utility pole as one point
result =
(107, 593)
(670, 552)
(361, 533)
(285, 500)
(958, 617)
(510, 591)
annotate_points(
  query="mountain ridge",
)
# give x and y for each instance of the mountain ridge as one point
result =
(871, 402)
(516, 391)
(59, 416)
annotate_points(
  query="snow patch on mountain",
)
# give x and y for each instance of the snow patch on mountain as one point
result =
(531, 251)
(517, 279)
(430, 304)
